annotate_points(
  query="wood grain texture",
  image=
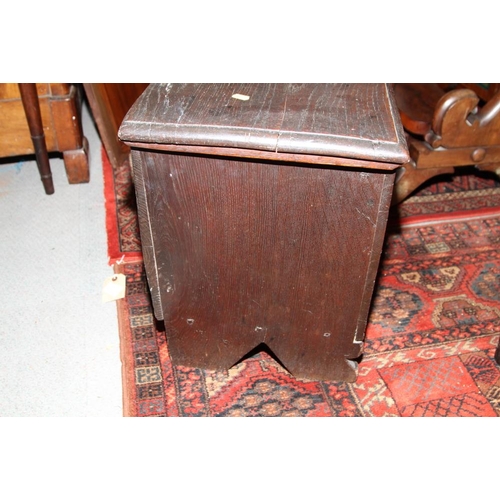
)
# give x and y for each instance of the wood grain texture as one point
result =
(416, 103)
(268, 155)
(44, 90)
(146, 231)
(76, 164)
(15, 136)
(263, 219)
(66, 117)
(243, 253)
(357, 121)
(458, 123)
(61, 118)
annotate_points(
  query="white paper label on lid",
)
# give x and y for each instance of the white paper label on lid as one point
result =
(241, 97)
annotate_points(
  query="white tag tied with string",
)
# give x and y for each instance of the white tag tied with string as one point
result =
(113, 288)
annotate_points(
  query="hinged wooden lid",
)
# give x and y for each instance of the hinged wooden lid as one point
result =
(358, 121)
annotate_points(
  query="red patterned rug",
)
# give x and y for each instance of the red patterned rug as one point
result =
(121, 211)
(470, 194)
(431, 336)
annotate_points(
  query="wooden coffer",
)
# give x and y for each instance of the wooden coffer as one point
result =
(262, 212)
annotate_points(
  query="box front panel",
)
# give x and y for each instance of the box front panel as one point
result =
(253, 252)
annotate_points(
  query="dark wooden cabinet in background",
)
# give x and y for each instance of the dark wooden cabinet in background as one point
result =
(109, 103)
(262, 210)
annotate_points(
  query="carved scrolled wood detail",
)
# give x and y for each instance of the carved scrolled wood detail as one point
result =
(453, 132)
(459, 123)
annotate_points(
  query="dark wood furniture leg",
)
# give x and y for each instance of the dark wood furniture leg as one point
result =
(31, 106)
(497, 353)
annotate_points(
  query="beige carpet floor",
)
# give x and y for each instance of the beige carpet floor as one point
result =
(59, 345)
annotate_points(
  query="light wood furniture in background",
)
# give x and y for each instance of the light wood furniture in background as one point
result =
(60, 113)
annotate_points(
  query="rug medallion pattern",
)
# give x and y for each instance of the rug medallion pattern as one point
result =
(431, 337)
(468, 191)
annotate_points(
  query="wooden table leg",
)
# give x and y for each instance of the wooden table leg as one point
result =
(31, 106)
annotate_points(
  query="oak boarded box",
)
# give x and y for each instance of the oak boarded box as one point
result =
(262, 211)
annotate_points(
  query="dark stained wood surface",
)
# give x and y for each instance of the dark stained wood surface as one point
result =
(31, 106)
(416, 103)
(245, 241)
(352, 121)
(241, 253)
